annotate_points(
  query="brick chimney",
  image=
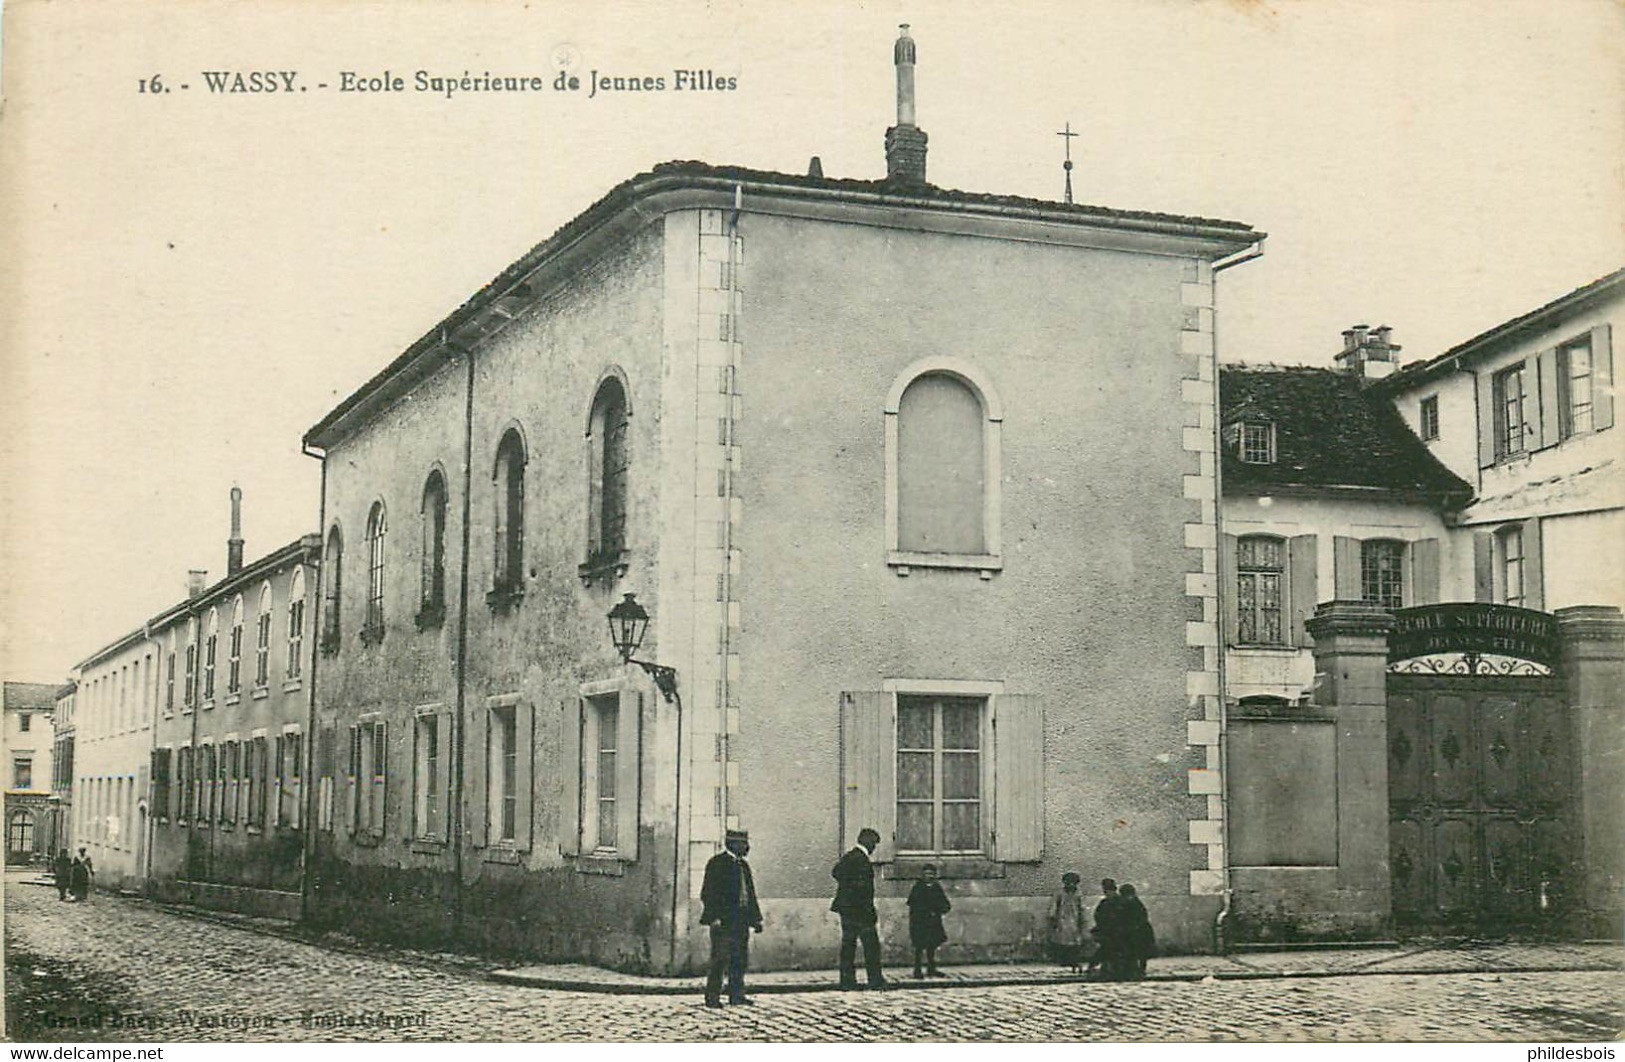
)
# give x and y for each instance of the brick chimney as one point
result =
(196, 581)
(1369, 353)
(905, 142)
(234, 544)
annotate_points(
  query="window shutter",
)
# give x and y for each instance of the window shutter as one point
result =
(1229, 591)
(628, 773)
(869, 768)
(1602, 378)
(1486, 420)
(281, 772)
(381, 768)
(443, 772)
(1534, 590)
(1302, 584)
(1346, 568)
(1483, 566)
(1424, 572)
(524, 771)
(1550, 429)
(570, 712)
(1018, 778)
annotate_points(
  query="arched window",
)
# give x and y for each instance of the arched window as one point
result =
(296, 622)
(234, 670)
(374, 627)
(332, 583)
(169, 675)
(262, 640)
(20, 833)
(943, 440)
(610, 461)
(1382, 572)
(508, 479)
(433, 606)
(211, 644)
(1260, 579)
(189, 690)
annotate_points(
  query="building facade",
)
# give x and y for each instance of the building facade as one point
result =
(827, 435)
(29, 751)
(62, 726)
(113, 717)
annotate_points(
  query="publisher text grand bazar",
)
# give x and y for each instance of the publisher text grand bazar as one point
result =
(697, 80)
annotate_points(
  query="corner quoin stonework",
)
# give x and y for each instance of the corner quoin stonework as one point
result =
(1199, 396)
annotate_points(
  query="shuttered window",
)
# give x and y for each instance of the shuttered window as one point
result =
(939, 774)
(1382, 573)
(1260, 578)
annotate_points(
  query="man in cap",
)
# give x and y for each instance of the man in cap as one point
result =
(728, 906)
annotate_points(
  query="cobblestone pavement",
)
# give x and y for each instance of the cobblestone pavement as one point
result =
(169, 976)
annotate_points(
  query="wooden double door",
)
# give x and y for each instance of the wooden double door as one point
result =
(1479, 788)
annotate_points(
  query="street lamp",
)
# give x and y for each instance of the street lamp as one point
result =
(628, 623)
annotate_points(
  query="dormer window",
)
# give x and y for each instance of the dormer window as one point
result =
(1256, 442)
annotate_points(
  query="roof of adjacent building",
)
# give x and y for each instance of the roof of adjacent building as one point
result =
(1332, 430)
(728, 181)
(30, 696)
(1491, 340)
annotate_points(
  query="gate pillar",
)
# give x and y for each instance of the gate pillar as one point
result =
(1351, 662)
(1592, 641)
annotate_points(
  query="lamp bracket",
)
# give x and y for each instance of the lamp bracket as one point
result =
(665, 678)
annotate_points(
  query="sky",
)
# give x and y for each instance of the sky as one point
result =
(190, 280)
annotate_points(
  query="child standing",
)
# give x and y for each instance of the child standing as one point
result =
(1066, 926)
(927, 903)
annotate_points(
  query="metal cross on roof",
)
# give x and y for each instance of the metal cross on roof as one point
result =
(1068, 134)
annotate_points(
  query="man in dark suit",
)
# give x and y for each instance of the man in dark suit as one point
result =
(728, 906)
(854, 901)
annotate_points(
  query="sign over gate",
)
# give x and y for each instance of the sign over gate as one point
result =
(1474, 629)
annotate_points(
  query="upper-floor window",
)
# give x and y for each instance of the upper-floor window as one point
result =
(1430, 417)
(1382, 572)
(235, 663)
(210, 644)
(169, 675)
(296, 621)
(508, 479)
(24, 722)
(262, 632)
(943, 443)
(189, 690)
(1260, 575)
(433, 603)
(374, 627)
(1257, 442)
(1509, 558)
(1575, 379)
(1512, 408)
(610, 462)
(332, 582)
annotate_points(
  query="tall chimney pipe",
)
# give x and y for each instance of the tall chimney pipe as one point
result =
(234, 544)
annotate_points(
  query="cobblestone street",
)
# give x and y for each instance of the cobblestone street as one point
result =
(169, 976)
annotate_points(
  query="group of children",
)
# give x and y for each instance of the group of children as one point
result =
(1116, 947)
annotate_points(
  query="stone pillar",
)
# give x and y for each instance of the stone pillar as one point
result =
(1592, 642)
(1351, 680)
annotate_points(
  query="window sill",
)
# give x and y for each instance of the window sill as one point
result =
(372, 635)
(329, 643)
(259, 693)
(208, 705)
(1275, 649)
(430, 617)
(233, 698)
(367, 838)
(293, 685)
(909, 867)
(985, 563)
(606, 863)
(254, 830)
(505, 598)
(605, 567)
(427, 846)
(504, 853)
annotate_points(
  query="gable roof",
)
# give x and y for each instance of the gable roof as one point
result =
(1331, 433)
(717, 187)
(30, 696)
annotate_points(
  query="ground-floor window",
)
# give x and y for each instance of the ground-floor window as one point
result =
(20, 832)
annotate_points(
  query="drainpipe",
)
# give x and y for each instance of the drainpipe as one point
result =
(454, 799)
(1221, 922)
(312, 783)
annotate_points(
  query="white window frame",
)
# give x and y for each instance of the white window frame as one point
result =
(428, 801)
(592, 798)
(502, 716)
(1427, 416)
(1248, 442)
(988, 691)
(1505, 558)
(981, 387)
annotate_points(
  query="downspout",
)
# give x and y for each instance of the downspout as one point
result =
(455, 799)
(1221, 922)
(725, 639)
(312, 783)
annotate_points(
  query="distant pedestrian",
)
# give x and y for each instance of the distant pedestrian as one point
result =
(728, 906)
(927, 903)
(62, 870)
(1107, 930)
(854, 901)
(1067, 932)
(1138, 942)
(80, 875)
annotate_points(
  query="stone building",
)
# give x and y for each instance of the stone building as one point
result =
(113, 706)
(29, 750)
(855, 446)
(229, 757)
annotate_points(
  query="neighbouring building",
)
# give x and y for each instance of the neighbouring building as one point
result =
(29, 740)
(857, 447)
(229, 755)
(62, 725)
(117, 686)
